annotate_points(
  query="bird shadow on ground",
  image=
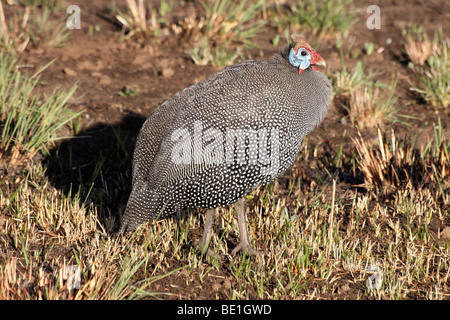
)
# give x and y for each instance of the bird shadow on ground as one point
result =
(95, 165)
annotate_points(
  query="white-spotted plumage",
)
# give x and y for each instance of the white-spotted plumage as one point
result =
(268, 102)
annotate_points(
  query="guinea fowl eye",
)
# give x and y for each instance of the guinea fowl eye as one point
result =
(303, 53)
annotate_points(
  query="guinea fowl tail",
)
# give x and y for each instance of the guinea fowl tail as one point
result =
(142, 206)
(138, 208)
(127, 224)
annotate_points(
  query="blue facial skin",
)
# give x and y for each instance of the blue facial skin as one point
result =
(301, 59)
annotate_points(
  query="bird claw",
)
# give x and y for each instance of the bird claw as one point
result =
(208, 252)
(247, 248)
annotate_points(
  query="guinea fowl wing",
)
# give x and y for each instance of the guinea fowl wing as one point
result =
(197, 138)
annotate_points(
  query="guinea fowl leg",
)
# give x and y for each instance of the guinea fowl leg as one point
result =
(244, 244)
(207, 233)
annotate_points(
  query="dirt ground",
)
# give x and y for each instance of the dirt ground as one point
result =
(101, 65)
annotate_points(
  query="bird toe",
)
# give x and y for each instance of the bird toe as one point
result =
(247, 249)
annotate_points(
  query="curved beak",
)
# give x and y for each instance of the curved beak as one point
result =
(320, 61)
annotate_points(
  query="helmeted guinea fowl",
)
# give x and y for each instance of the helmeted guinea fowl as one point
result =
(213, 142)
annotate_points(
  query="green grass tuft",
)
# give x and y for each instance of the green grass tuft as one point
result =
(226, 28)
(322, 17)
(430, 62)
(28, 123)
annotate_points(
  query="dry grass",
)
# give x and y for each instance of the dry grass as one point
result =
(395, 164)
(214, 34)
(49, 235)
(219, 35)
(419, 47)
(143, 22)
(420, 51)
(364, 101)
(319, 243)
(430, 63)
(322, 18)
(31, 25)
(370, 106)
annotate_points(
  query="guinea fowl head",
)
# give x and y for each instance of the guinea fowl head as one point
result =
(302, 55)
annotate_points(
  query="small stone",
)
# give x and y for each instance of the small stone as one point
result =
(91, 65)
(167, 72)
(105, 80)
(344, 288)
(446, 233)
(70, 72)
(227, 284)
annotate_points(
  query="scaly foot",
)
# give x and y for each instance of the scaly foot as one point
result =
(247, 248)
